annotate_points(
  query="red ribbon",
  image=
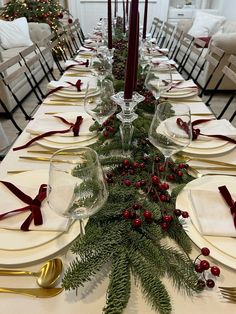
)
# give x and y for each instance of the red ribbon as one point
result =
(196, 131)
(86, 63)
(90, 48)
(77, 85)
(33, 205)
(229, 200)
(75, 127)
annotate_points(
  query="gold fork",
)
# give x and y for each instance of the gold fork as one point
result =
(229, 293)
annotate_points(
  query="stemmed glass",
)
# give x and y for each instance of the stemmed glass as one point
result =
(102, 106)
(159, 79)
(170, 129)
(77, 187)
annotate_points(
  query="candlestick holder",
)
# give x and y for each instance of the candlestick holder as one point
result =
(127, 116)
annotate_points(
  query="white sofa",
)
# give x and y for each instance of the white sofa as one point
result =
(21, 88)
(225, 38)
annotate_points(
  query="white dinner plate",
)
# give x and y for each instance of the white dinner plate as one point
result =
(26, 239)
(68, 93)
(223, 249)
(211, 151)
(179, 95)
(54, 145)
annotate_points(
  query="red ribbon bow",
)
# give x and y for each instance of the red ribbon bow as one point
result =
(33, 205)
(90, 48)
(75, 127)
(77, 85)
(196, 131)
(229, 200)
(86, 63)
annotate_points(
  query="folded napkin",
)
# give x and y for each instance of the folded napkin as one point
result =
(68, 87)
(212, 213)
(51, 220)
(47, 123)
(182, 85)
(90, 43)
(156, 51)
(86, 50)
(77, 64)
(212, 127)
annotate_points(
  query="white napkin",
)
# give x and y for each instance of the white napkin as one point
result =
(87, 51)
(183, 87)
(212, 213)
(213, 127)
(51, 220)
(81, 67)
(49, 123)
(63, 82)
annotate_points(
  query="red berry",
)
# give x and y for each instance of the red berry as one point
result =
(179, 173)
(181, 166)
(135, 164)
(205, 251)
(170, 177)
(142, 165)
(210, 283)
(161, 168)
(164, 225)
(126, 214)
(164, 186)
(177, 212)
(185, 214)
(167, 218)
(204, 264)
(109, 175)
(147, 214)
(215, 271)
(163, 198)
(136, 206)
(198, 268)
(131, 171)
(105, 133)
(155, 180)
(110, 180)
(137, 222)
(126, 162)
(127, 182)
(138, 184)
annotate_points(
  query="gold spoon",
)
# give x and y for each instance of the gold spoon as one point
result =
(47, 276)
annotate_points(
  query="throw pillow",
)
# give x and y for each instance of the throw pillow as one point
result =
(205, 24)
(14, 33)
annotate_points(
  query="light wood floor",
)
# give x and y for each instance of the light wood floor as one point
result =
(30, 105)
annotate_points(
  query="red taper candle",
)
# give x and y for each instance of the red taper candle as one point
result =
(145, 19)
(109, 24)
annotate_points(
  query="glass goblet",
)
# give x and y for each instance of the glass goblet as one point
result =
(170, 129)
(158, 79)
(77, 187)
(102, 106)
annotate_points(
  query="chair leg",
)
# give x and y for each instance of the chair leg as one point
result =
(10, 116)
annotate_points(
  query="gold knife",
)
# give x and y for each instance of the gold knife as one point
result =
(48, 152)
(61, 103)
(47, 159)
(33, 292)
(214, 168)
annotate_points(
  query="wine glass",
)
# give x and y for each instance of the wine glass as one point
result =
(102, 106)
(77, 187)
(159, 79)
(170, 129)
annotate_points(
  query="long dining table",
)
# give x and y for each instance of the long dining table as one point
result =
(91, 298)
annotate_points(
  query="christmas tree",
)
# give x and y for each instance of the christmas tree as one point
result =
(42, 11)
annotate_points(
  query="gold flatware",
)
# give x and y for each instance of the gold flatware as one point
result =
(47, 159)
(17, 171)
(63, 103)
(76, 74)
(229, 293)
(47, 276)
(215, 168)
(208, 161)
(196, 174)
(33, 292)
(50, 152)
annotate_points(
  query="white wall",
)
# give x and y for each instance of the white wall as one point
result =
(90, 11)
(229, 10)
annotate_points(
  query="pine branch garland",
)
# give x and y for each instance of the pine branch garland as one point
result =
(119, 287)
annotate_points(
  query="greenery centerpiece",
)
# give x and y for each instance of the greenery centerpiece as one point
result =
(133, 233)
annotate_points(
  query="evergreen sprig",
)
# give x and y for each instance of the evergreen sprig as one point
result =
(112, 238)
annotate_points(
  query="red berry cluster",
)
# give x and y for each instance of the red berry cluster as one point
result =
(202, 266)
(137, 214)
(159, 190)
(109, 129)
(128, 168)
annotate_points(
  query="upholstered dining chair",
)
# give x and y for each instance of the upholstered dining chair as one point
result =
(229, 72)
